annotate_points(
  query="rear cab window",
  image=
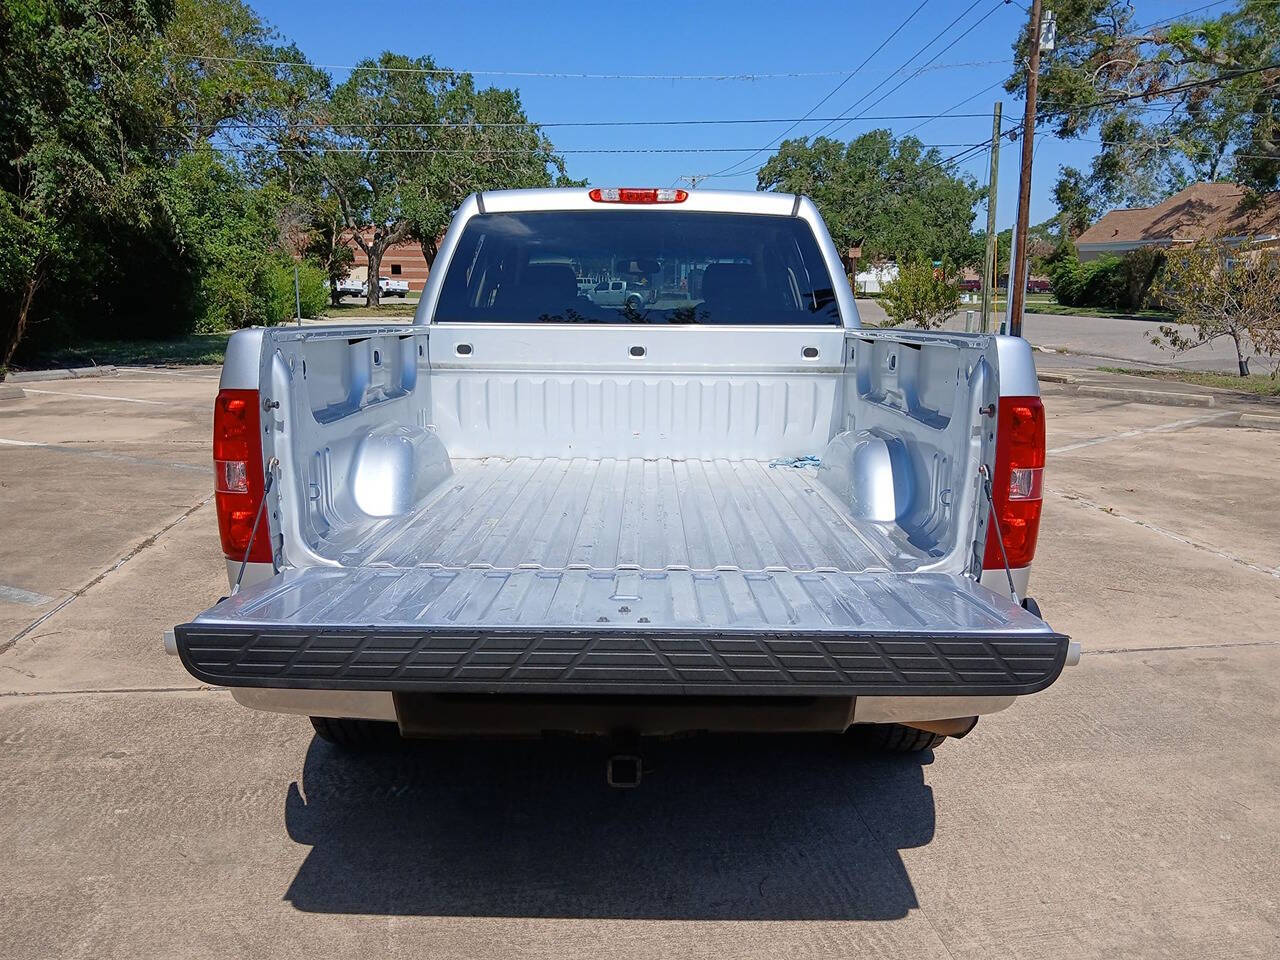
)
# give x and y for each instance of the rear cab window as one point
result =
(673, 267)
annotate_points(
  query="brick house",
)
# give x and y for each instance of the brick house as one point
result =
(403, 261)
(1200, 211)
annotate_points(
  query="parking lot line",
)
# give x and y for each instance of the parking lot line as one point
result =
(18, 595)
(1141, 431)
(167, 372)
(103, 455)
(97, 396)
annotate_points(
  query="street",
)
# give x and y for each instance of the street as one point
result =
(1129, 810)
(1123, 342)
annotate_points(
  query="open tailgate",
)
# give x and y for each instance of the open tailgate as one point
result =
(592, 632)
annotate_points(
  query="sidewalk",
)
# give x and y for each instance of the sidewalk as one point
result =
(1251, 411)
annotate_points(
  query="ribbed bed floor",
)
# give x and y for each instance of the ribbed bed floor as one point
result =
(555, 514)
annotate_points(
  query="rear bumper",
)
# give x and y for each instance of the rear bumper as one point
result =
(580, 661)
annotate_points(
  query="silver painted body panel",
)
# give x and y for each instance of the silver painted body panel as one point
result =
(411, 470)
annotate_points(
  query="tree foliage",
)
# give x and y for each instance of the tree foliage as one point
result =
(407, 144)
(894, 196)
(76, 143)
(183, 150)
(1224, 291)
(921, 295)
(1165, 134)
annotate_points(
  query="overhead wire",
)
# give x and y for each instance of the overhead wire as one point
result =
(836, 89)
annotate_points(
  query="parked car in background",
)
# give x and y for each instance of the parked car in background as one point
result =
(1039, 285)
(392, 288)
(616, 293)
(970, 285)
(351, 287)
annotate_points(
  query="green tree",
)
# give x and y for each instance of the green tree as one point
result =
(1223, 291)
(497, 149)
(1076, 212)
(396, 168)
(921, 294)
(1168, 134)
(76, 140)
(894, 196)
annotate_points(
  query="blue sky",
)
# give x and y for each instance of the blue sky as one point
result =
(717, 37)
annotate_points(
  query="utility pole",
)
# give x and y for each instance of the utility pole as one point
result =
(1018, 266)
(989, 264)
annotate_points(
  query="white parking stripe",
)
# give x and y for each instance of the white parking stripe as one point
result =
(97, 396)
(1129, 434)
(18, 595)
(169, 373)
(76, 451)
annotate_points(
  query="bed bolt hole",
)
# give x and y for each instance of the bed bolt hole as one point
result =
(893, 361)
(377, 358)
(463, 349)
(637, 351)
(809, 353)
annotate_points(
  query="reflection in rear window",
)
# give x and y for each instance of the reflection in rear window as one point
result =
(637, 266)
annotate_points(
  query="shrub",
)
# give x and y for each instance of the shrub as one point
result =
(1067, 276)
(1119, 283)
(313, 290)
(921, 295)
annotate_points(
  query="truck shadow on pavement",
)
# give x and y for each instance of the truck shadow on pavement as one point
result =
(785, 828)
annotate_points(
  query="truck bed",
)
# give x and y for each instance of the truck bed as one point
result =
(556, 576)
(636, 515)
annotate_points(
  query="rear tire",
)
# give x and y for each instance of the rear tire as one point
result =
(894, 738)
(356, 735)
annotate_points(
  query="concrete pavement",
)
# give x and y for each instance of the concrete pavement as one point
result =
(1129, 810)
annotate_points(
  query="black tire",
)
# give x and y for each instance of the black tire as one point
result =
(362, 736)
(894, 738)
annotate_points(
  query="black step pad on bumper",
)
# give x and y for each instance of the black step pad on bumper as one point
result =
(621, 661)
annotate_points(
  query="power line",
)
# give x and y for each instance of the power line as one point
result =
(948, 113)
(938, 36)
(481, 125)
(1169, 91)
(233, 148)
(1184, 13)
(550, 75)
(735, 168)
(834, 90)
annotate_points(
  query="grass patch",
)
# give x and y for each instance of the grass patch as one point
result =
(1256, 385)
(398, 308)
(198, 348)
(1059, 310)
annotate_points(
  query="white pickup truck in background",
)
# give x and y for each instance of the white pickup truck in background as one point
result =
(390, 288)
(531, 511)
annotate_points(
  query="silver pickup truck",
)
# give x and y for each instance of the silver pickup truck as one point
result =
(529, 512)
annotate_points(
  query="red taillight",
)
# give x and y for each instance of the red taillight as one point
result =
(1016, 484)
(637, 195)
(238, 477)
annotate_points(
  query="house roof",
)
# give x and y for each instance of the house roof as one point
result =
(1201, 210)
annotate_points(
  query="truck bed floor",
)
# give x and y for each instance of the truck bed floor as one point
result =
(648, 515)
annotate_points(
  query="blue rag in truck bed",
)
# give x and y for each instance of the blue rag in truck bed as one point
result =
(795, 462)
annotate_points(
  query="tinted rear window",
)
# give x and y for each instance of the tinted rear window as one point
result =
(637, 266)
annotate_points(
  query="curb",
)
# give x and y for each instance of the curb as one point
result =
(11, 392)
(1261, 420)
(1166, 397)
(1071, 386)
(70, 373)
